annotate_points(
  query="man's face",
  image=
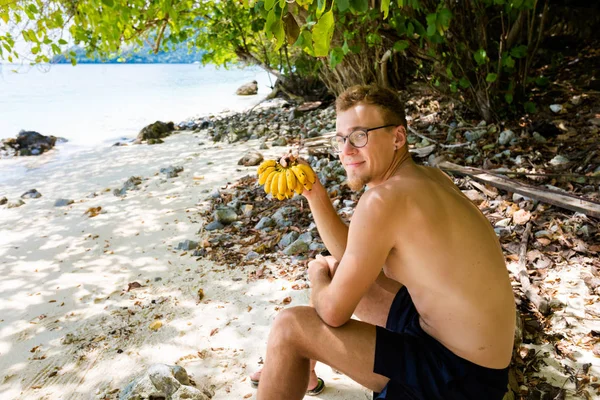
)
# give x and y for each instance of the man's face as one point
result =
(369, 163)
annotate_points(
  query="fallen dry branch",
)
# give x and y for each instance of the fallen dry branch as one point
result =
(563, 200)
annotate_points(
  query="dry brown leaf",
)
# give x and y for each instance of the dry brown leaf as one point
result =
(93, 211)
(133, 285)
(287, 300)
(214, 331)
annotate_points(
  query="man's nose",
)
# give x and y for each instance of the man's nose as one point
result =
(347, 148)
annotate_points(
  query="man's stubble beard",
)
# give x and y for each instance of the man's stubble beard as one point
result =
(357, 183)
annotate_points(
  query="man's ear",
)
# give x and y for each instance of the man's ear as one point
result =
(400, 139)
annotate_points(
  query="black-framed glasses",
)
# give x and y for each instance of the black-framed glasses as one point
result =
(358, 138)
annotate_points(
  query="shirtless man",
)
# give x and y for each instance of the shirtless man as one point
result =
(419, 265)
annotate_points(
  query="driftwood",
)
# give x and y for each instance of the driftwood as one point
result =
(530, 291)
(563, 200)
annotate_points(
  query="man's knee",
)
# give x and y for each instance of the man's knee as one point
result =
(290, 324)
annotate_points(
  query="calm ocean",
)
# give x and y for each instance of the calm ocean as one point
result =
(92, 104)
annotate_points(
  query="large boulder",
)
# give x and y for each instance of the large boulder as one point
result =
(247, 89)
(163, 381)
(155, 131)
(27, 143)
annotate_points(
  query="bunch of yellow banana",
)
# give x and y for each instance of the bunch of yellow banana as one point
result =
(283, 178)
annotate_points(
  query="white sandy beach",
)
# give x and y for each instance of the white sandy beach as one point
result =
(69, 329)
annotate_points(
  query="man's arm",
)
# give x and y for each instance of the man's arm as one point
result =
(332, 229)
(370, 240)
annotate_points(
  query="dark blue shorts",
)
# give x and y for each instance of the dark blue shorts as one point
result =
(421, 368)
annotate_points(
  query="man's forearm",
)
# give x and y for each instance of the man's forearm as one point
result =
(332, 229)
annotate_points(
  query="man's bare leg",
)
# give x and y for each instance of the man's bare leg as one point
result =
(349, 349)
(373, 309)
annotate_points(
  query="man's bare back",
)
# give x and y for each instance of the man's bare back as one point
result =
(445, 252)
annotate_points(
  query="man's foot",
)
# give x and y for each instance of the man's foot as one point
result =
(315, 384)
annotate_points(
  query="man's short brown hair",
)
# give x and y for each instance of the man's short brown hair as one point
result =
(387, 100)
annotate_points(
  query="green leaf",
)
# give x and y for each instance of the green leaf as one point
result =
(271, 18)
(443, 18)
(373, 39)
(279, 33)
(4, 16)
(480, 56)
(342, 5)
(359, 6)
(33, 9)
(431, 24)
(519, 51)
(508, 62)
(108, 3)
(335, 57)
(385, 8)
(62, 41)
(345, 47)
(491, 77)
(320, 7)
(322, 33)
(449, 71)
(401, 45)
(269, 4)
(464, 83)
(508, 97)
(530, 107)
(453, 87)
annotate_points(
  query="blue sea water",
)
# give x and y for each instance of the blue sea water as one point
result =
(94, 104)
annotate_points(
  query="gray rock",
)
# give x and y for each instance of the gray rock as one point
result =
(559, 160)
(317, 246)
(506, 137)
(15, 204)
(187, 245)
(281, 216)
(306, 237)
(298, 247)
(157, 130)
(263, 146)
(164, 381)
(265, 222)
(130, 184)
(31, 194)
(503, 222)
(288, 239)
(539, 138)
(595, 121)
(119, 192)
(252, 255)
(225, 215)
(472, 136)
(199, 253)
(3, 201)
(556, 108)
(29, 143)
(63, 202)
(251, 159)
(247, 89)
(213, 226)
(171, 171)
(280, 141)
